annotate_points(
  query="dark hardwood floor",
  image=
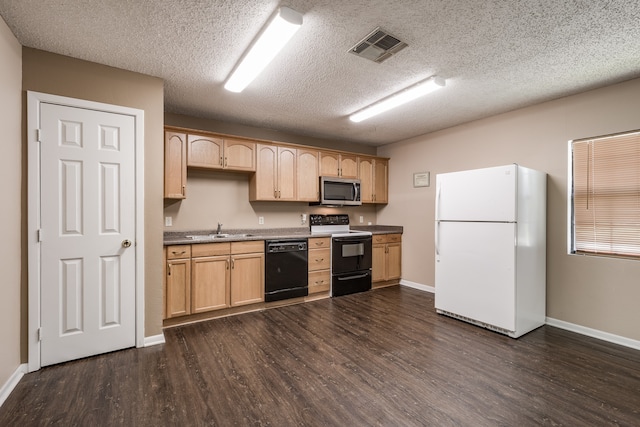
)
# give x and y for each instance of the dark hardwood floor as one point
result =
(378, 358)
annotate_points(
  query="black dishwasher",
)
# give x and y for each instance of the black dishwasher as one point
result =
(286, 269)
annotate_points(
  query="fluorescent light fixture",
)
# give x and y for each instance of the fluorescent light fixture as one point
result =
(419, 89)
(274, 36)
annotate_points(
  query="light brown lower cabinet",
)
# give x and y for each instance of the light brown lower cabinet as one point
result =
(214, 276)
(386, 259)
(319, 264)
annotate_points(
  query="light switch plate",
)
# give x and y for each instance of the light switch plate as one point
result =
(168, 221)
(260, 220)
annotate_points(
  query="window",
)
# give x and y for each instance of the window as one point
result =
(605, 196)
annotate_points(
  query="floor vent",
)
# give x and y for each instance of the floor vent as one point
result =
(378, 46)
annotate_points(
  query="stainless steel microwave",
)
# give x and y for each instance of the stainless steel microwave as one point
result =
(339, 191)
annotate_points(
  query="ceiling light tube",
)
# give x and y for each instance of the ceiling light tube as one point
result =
(274, 36)
(419, 89)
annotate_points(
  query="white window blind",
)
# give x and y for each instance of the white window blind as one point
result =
(606, 195)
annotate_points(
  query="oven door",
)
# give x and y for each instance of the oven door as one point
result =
(350, 253)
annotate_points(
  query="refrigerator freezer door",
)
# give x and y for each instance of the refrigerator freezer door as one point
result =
(477, 195)
(475, 271)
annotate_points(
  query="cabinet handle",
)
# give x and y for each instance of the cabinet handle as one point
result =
(319, 282)
(178, 253)
(183, 188)
(221, 162)
(275, 194)
(233, 263)
(169, 270)
(319, 260)
(319, 243)
(225, 162)
(226, 263)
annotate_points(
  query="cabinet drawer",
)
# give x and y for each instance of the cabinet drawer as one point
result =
(319, 259)
(178, 251)
(387, 238)
(319, 281)
(247, 247)
(379, 238)
(210, 249)
(393, 238)
(319, 242)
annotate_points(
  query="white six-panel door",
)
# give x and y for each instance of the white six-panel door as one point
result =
(87, 243)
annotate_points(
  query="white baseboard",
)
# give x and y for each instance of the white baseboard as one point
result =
(418, 286)
(154, 340)
(12, 382)
(605, 336)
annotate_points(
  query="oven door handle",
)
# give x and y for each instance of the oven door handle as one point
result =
(359, 276)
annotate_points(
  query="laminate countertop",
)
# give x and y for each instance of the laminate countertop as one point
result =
(238, 235)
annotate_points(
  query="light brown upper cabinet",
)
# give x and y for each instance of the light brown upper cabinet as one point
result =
(208, 152)
(275, 177)
(338, 164)
(373, 173)
(308, 184)
(175, 165)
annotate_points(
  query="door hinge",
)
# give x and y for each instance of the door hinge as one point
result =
(39, 334)
(38, 135)
(40, 235)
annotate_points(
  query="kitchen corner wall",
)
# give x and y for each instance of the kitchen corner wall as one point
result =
(10, 161)
(223, 197)
(61, 75)
(594, 292)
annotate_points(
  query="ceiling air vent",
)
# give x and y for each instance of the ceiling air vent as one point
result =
(378, 46)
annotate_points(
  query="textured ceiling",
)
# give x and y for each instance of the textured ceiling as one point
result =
(496, 56)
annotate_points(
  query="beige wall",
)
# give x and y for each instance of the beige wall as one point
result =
(214, 197)
(60, 75)
(10, 103)
(594, 292)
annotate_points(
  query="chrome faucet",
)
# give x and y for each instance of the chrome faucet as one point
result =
(219, 230)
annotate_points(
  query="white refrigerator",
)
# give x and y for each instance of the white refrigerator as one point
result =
(490, 238)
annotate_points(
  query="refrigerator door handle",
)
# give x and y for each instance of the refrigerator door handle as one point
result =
(437, 238)
(438, 202)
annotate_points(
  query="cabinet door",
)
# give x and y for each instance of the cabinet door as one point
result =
(286, 170)
(239, 155)
(329, 164)
(378, 262)
(348, 166)
(204, 152)
(381, 181)
(365, 173)
(307, 176)
(175, 165)
(394, 261)
(178, 291)
(210, 284)
(263, 184)
(247, 279)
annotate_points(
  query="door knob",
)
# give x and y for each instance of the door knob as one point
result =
(126, 243)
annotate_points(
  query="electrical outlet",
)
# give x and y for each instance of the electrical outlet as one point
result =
(168, 221)
(261, 220)
(361, 219)
(303, 219)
